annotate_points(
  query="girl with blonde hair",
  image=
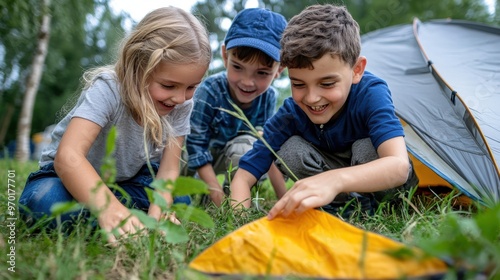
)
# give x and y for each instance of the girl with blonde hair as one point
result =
(146, 95)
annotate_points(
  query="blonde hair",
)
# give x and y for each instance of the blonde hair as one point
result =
(169, 35)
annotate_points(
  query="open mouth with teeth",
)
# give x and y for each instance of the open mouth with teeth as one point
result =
(163, 106)
(246, 92)
(317, 108)
(167, 105)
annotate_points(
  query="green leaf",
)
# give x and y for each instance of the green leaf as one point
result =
(108, 170)
(108, 167)
(65, 207)
(188, 185)
(150, 193)
(174, 233)
(148, 221)
(402, 253)
(159, 200)
(160, 185)
(110, 141)
(116, 188)
(194, 215)
(469, 228)
(489, 223)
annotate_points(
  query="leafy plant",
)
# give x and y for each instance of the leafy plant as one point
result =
(172, 233)
(470, 243)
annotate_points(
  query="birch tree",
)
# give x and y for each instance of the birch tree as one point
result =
(38, 75)
(24, 124)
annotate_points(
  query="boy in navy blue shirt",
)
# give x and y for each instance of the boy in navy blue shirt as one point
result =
(338, 133)
(251, 55)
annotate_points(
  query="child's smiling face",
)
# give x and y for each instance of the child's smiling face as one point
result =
(248, 80)
(322, 92)
(172, 84)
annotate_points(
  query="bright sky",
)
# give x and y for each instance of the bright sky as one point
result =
(491, 4)
(139, 8)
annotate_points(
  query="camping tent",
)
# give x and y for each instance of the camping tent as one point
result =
(444, 76)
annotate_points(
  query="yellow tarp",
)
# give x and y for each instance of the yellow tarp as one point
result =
(314, 244)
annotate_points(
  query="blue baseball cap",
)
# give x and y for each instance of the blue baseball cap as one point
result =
(257, 28)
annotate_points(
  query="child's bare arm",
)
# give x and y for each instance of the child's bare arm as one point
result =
(207, 174)
(169, 169)
(240, 188)
(390, 170)
(277, 180)
(83, 182)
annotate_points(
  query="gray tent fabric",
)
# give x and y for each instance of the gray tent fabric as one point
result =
(444, 76)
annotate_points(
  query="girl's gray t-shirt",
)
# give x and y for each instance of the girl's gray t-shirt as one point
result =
(101, 103)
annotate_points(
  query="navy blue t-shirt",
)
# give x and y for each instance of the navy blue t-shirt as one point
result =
(368, 112)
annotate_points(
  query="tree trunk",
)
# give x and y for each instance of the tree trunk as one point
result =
(7, 118)
(24, 125)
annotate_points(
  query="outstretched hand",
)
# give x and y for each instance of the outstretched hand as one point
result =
(311, 192)
(156, 212)
(118, 223)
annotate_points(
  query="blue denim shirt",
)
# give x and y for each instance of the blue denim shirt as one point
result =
(212, 128)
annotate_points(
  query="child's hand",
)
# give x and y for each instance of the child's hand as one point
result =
(311, 192)
(156, 212)
(217, 197)
(171, 217)
(117, 221)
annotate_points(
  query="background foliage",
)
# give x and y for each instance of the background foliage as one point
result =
(84, 34)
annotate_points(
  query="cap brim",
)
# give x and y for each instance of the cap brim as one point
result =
(264, 46)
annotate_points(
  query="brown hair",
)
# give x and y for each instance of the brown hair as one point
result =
(317, 30)
(251, 55)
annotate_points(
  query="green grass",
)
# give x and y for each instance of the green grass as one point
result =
(467, 235)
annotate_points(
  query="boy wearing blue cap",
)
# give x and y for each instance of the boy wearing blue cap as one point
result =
(338, 133)
(251, 55)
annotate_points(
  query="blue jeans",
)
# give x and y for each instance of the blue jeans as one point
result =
(44, 189)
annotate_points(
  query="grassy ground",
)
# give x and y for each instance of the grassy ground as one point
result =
(426, 221)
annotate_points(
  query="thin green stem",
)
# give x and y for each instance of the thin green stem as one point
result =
(241, 115)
